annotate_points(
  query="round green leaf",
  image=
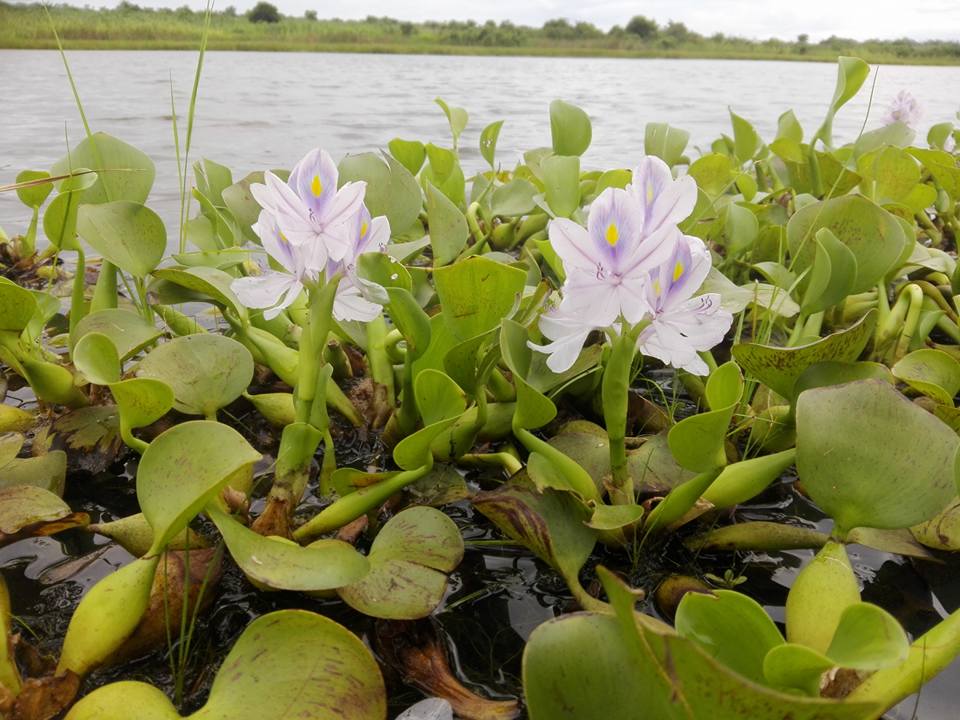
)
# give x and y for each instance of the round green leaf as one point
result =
(17, 306)
(128, 330)
(33, 195)
(130, 235)
(859, 459)
(183, 468)
(868, 638)
(731, 627)
(391, 189)
(931, 372)
(96, 357)
(142, 401)
(409, 560)
(297, 664)
(206, 371)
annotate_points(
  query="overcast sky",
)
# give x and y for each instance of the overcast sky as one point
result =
(860, 19)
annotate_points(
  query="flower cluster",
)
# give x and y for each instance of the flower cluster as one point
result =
(312, 229)
(633, 269)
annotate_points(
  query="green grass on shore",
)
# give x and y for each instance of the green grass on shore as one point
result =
(133, 28)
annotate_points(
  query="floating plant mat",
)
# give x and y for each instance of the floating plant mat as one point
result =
(543, 442)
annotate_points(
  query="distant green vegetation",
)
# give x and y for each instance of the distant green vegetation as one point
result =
(130, 26)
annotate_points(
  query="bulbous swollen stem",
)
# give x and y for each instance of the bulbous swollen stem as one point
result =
(615, 394)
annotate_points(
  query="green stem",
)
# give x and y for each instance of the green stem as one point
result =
(381, 369)
(78, 305)
(350, 507)
(615, 392)
(319, 320)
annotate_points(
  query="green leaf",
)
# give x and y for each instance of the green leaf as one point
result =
(211, 282)
(106, 616)
(561, 179)
(778, 368)
(129, 235)
(859, 459)
(851, 73)
(24, 506)
(713, 173)
(488, 141)
(127, 330)
(142, 401)
(206, 371)
(741, 228)
(438, 397)
(33, 196)
(17, 306)
(514, 198)
(746, 141)
(790, 666)
(534, 409)
(476, 294)
(931, 372)
(788, 127)
(185, 467)
(600, 665)
(96, 357)
(283, 565)
(698, 442)
(410, 153)
(392, 190)
(456, 116)
(289, 652)
(868, 638)
(833, 274)
(409, 562)
(872, 234)
(410, 319)
(123, 172)
(667, 143)
(731, 627)
(448, 227)
(570, 129)
(551, 524)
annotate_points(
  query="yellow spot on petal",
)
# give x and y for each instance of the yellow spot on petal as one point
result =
(316, 187)
(363, 230)
(656, 287)
(678, 271)
(649, 194)
(613, 234)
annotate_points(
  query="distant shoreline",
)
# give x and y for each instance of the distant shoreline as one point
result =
(457, 50)
(131, 27)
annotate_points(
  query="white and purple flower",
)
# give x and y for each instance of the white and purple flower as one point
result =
(314, 231)
(632, 269)
(904, 108)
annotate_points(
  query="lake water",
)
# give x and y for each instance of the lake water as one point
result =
(261, 110)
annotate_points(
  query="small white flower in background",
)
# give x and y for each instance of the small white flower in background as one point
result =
(903, 108)
(429, 709)
(632, 265)
(312, 229)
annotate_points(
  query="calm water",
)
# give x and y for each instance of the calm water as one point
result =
(259, 110)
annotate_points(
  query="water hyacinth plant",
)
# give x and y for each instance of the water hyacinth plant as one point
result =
(395, 388)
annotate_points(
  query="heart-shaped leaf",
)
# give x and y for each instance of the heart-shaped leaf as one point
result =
(859, 460)
(128, 234)
(205, 371)
(409, 562)
(182, 469)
